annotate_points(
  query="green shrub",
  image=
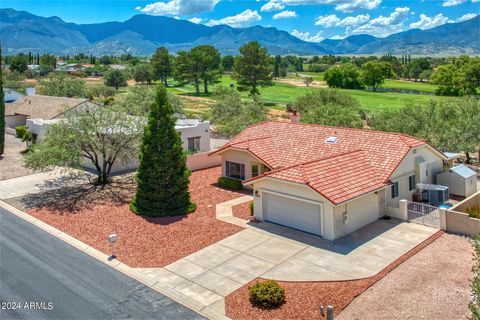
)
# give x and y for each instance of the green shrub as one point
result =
(251, 207)
(20, 131)
(230, 183)
(27, 136)
(267, 294)
(473, 211)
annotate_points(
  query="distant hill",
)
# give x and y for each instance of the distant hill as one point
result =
(348, 45)
(21, 31)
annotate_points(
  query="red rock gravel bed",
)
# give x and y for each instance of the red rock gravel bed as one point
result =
(150, 242)
(242, 211)
(303, 299)
(433, 284)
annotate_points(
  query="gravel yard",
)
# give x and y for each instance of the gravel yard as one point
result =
(148, 242)
(242, 211)
(433, 284)
(303, 299)
(11, 164)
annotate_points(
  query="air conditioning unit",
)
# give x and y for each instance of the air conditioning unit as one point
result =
(433, 194)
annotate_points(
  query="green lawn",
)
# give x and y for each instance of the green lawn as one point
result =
(393, 84)
(409, 85)
(281, 94)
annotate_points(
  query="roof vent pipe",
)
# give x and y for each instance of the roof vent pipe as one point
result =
(295, 116)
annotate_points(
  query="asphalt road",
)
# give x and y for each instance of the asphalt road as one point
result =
(64, 283)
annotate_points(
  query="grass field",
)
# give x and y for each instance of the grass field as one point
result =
(409, 85)
(391, 84)
(283, 94)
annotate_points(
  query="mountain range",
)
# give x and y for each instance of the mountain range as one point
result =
(21, 31)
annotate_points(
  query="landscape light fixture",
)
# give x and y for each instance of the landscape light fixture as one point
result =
(112, 239)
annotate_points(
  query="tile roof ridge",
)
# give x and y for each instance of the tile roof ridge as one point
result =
(345, 128)
(312, 161)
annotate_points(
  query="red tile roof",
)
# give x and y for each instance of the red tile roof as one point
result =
(359, 162)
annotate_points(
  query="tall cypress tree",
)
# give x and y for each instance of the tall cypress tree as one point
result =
(2, 109)
(162, 176)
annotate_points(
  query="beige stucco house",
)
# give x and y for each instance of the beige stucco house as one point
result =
(41, 107)
(328, 181)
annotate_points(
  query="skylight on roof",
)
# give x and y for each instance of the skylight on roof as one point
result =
(331, 140)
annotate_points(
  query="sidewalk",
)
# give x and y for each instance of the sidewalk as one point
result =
(40, 182)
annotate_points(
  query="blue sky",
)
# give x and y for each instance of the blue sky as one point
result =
(311, 20)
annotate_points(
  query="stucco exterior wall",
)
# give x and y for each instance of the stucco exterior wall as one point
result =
(241, 157)
(295, 190)
(16, 120)
(458, 221)
(409, 166)
(359, 213)
(202, 130)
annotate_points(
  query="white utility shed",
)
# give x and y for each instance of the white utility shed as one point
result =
(461, 180)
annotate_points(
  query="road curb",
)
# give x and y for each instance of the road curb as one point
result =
(117, 265)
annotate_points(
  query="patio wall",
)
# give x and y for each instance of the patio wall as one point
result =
(195, 162)
(199, 161)
(457, 221)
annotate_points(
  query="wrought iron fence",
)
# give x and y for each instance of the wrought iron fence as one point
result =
(423, 213)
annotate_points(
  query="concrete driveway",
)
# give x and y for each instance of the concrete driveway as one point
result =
(270, 251)
(39, 182)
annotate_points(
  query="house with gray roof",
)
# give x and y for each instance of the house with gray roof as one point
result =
(41, 107)
(460, 179)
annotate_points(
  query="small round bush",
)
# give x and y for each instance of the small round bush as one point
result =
(267, 294)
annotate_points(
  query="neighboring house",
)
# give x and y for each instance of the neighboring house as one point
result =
(328, 181)
(195, 137)
(12, 95)
(461, 180)
(40, 107)
(195, 134)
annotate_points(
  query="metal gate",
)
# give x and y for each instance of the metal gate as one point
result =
(424, 214)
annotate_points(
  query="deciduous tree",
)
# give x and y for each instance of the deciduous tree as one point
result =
(115, 78)
(374, 73)
(329, 107)
(99, 135)
(230, 114)
(143, 73)
(61, 85)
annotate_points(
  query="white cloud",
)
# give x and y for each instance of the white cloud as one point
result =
(350, 6)
(240, 20)
(285, 15)
(467, 16)
(384, 26)
(272, 6)
(195, 20)
(427, 22)
(340, 5)
(182, 7)
(337, 37)
(306, 36)
(327, 21)
(353, 21)
(450, 3)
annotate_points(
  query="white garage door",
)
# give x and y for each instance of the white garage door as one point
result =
(293, 213)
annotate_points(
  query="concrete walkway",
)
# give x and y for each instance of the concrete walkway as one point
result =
(39, 182)
(271, 251)
(224, 211)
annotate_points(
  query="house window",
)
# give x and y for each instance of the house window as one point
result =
(411, 183)
(194, 144)
(235, 170)
(255, 168)
(394, 190)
